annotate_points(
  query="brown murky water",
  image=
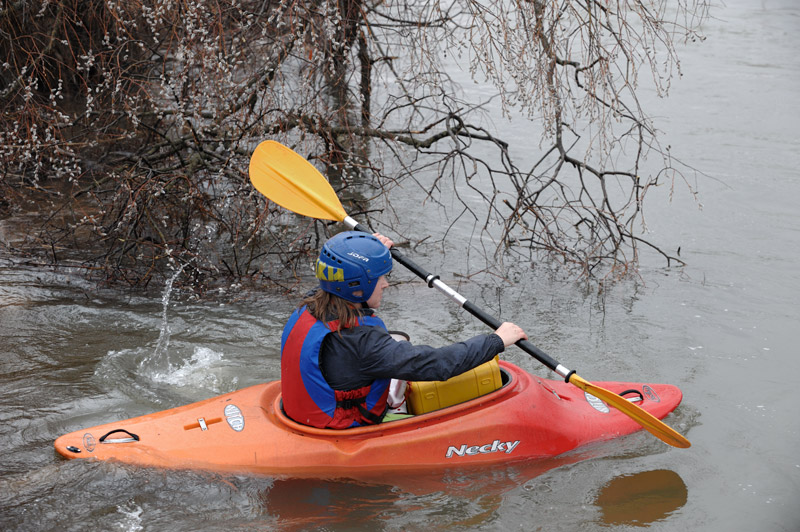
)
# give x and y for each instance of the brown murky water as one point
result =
(724, 329)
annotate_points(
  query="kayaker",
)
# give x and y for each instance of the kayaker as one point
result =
(337, 357)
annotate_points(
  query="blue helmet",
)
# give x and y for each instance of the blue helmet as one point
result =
(352, 262)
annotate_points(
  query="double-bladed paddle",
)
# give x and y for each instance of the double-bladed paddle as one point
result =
(289, 180)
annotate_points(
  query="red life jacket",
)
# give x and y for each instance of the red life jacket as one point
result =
(307, 396)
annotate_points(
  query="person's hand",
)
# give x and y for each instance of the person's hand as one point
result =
(386, 241)
(510, 333)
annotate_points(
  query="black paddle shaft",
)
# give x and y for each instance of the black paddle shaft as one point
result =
(488, 319)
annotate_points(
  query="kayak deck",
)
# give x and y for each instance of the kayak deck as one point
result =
(246, 431)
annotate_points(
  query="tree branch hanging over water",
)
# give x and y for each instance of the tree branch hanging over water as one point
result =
(130, 124)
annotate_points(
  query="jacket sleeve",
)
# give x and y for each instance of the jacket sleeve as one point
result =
(382, 356)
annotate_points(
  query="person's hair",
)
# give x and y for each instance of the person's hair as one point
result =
(327, 307)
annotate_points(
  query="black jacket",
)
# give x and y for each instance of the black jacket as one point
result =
(360, 355)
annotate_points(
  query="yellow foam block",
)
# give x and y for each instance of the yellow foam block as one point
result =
(427, 396)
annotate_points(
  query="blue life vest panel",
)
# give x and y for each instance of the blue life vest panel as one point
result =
(307, 396)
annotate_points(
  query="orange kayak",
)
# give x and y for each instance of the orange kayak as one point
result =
(246, 432)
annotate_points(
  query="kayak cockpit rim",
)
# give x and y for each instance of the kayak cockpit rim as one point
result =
(509, 376)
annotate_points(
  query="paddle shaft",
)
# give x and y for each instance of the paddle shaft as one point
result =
(434, 281)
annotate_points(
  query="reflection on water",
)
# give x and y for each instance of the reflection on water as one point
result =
(308, 504)
(641, 498)
(459, 499)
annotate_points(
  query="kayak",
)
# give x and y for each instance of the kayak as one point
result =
(246, 431)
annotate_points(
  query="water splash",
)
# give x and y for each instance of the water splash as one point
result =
(131, 517)
(166, 373)
(194, 372)
(159, 367)
(160, 358)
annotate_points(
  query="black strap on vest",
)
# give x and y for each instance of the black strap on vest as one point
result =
(373, 419)
(369, 416)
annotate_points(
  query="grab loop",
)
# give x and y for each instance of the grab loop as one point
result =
(131, 437)
(634, 399)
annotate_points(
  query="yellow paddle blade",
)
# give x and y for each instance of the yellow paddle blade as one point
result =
(652, 424)
(286, 178)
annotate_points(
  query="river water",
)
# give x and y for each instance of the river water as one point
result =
(723, 329)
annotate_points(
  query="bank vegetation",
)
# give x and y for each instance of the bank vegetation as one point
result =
(127, 126)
